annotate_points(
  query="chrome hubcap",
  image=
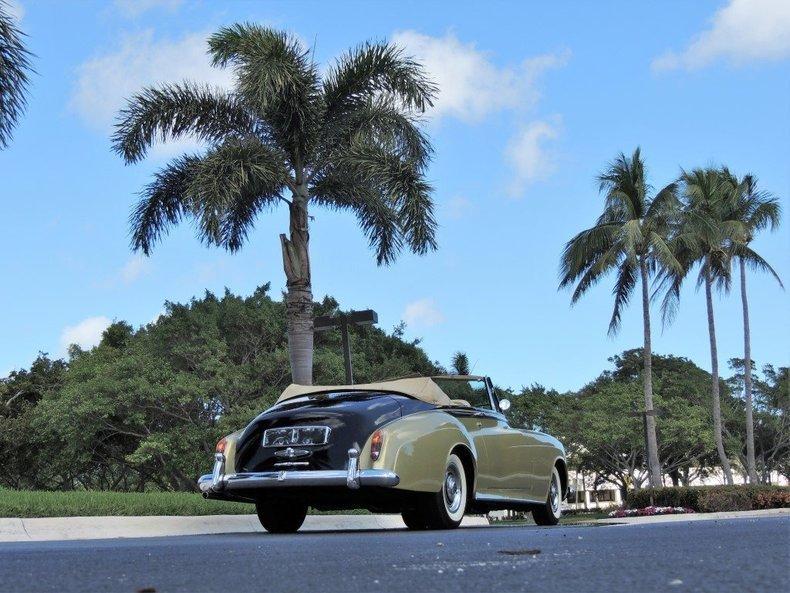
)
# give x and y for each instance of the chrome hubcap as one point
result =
(554, 496)
(452, 490)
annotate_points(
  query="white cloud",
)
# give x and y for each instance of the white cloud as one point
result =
(86, 334)
(134, 8)
(422, 313)
(470, 85)
(457, 207)
(743, 31)
(15, 9)
(135, 267)
(105, 82)
(528, 154)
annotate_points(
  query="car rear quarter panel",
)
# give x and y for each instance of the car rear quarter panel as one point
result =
(416, 447)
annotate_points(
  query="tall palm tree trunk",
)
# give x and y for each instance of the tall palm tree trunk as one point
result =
(299, 298)
(714, 364)
(751, 468)
(654, 466)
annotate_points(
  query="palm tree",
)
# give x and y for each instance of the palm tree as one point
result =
(460, 363)
(14, 70)
(705, 232)
(631, 237)
(349, 140)
(754, 211)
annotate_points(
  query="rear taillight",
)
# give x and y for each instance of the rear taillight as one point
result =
(221, 446)
(376, 441)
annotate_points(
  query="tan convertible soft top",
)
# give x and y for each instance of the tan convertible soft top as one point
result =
(422, 388)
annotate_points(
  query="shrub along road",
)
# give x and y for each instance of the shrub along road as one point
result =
(736, 555)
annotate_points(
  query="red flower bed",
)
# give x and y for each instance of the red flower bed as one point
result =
(648, 512)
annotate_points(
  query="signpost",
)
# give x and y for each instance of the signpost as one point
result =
(342, 321)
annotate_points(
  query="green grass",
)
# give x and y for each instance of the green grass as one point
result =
(81, 503)
(575, 519)
(86, 503)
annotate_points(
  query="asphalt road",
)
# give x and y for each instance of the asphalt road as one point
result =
(740, 555)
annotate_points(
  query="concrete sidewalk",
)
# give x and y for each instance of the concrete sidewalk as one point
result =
(697, 517)
(75, 528)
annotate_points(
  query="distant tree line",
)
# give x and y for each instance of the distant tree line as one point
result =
(144, 409)
(607, 443)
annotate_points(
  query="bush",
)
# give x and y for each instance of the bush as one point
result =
(712, 499)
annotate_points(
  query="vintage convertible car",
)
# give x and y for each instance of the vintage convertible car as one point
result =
(430, 448)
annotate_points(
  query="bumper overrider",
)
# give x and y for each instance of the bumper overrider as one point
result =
(219, 482)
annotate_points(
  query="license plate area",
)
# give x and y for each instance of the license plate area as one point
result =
(296, 436)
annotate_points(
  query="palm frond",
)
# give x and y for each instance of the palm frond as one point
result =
(230, 184)
(623, 288)
(662, 254)
(15, 69)
(602, 265)
(339, 190)
(623, 181)
(402, 181)
(177, 110)
(277, 77)
(582, 250)
(382, 122)
(163, 203)
(756, 262)
(374, 69)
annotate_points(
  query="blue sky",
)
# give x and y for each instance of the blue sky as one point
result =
(536, 98)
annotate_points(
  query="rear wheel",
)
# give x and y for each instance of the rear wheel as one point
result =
(281, 516)
(445, 509)
(414, 519)
(551, 511)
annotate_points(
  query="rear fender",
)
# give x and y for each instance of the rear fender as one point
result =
(416, 448)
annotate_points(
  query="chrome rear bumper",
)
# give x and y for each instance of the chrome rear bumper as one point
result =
(352, 477)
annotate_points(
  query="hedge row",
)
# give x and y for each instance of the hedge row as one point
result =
(712, 499)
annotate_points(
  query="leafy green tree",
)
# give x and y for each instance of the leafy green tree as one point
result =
(145, 408)
(631, 238)
(15, 70)
(26, 453)
(771, 401)
(349, 140)
(705, 234)
(602, 438)
(754, 211)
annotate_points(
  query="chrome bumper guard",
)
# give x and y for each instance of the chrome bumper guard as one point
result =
(352, 477)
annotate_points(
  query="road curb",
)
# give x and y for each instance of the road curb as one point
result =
(697, 517)
(80, 528)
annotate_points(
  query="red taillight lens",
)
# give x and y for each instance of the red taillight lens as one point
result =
(375, 445)
(221, 445)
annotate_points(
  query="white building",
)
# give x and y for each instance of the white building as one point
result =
(609, 495)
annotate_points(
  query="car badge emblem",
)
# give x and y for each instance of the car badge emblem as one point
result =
(281, 476)
(291, 453)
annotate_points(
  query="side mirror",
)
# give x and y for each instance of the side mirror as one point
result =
(504, 405)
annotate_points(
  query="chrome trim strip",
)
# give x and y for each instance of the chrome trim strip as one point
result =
(499, 498)
(326, 429)
(352, 477)
(352, 473)
(285, 478)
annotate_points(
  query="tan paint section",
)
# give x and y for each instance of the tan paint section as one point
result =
(510, 463)
(416, 448)
(230, 451)
(422, 388)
